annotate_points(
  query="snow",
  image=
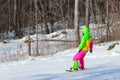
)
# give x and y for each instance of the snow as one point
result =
(99, 65)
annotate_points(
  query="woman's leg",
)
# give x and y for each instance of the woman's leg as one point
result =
(76, 58)
(75, 61)
(81, 59)
(75, 65)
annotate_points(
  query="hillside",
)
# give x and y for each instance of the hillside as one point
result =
(99, 65)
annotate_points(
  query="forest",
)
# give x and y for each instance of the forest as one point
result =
(18, 15)
(45, 27)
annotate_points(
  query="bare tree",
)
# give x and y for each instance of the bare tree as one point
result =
(87, 13)
(76, 21)
(18, 14)
(107, 12)
(36, 10)
(14, 17)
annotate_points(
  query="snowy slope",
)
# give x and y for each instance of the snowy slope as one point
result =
(99, 65)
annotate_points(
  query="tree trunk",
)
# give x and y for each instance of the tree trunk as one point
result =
(107, 12)
(76, 21)
(9, 17)
(35, 1)
(87, 13)
(14, 21)
(119, 7)
(29, 43)
(92, 12)
(51, 20)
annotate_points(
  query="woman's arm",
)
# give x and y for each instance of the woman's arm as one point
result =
(82, 43)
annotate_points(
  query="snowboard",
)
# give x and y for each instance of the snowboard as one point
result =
(70, 70)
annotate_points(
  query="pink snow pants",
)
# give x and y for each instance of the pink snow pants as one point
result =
(79, 56)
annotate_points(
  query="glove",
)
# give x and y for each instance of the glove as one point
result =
(79, 50)
(90, 51)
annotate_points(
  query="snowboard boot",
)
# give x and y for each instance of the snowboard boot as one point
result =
(73, 69)
(75, 66)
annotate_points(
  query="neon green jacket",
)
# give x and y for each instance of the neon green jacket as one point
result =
(86, 40)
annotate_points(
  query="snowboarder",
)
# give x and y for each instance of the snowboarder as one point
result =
(85, 45)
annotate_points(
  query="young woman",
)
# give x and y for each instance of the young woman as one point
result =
(85, 45)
